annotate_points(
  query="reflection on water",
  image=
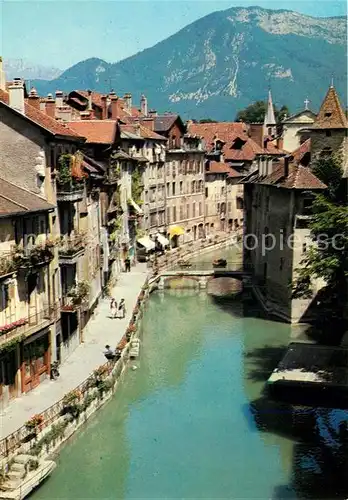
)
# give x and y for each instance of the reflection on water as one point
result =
(193, 422)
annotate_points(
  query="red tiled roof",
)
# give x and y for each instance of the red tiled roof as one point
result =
(96, 131)
(228, 133)
(234, 174)
(331, 114)
(299, 178)
(15, 199)
(217, 167)
(299, 153)
(143, 132)
(43, 120)
(97, 101)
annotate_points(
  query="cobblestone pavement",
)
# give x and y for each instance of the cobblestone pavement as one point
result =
(100, 330)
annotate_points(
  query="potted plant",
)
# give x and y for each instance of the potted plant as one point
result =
(71, 403)
(34, 423)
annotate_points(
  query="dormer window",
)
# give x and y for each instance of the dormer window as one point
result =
(218, 145)
(325, 152)
(238, 143)
(328, 114)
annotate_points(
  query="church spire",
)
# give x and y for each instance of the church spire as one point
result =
(269, 116)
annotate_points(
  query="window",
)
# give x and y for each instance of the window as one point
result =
(200, 186)
(218, 207)
(229, 205)
(304, 247)
(328, 133)
(193, 188)
(328, 114)
(168, 189)
(240, 203)
(238, 143)
(174, 214)
(193, 209)
(181, 187)
(181, 212)
(168, 215)
(173, 188)
(325, 152)
(187, 211)
(307, 206)
(281, 264)
(206, 192)
(222, 191)
(200, 208)
(269, 131)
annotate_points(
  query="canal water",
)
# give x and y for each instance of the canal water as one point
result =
(192, 422)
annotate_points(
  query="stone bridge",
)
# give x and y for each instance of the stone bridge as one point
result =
(203, 277)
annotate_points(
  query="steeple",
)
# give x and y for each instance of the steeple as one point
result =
(331, 114)
(269, 120)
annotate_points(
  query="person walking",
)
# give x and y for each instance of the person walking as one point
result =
(113, 308)
(122, 309)
(127, 264)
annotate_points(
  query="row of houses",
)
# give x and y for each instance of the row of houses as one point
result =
(87, 180)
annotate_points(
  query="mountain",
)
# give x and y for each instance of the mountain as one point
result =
(24, 69)
(224, 61)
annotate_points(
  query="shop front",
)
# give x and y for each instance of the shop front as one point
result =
(36, 360)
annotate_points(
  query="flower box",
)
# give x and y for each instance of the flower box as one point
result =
(11, 326)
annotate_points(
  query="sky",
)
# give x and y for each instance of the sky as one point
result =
(60, 33)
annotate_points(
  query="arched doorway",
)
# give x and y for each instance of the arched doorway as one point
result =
(200, 231)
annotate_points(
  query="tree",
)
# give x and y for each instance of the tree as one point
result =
(207, 120)
(328, 258)
(255, 113)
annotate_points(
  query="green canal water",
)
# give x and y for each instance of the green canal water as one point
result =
(192, 421)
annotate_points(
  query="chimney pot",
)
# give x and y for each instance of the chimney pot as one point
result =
(104, 107)
(34, 99)
(59, 99)
(128, 102)
(143, 105)
(16, 95)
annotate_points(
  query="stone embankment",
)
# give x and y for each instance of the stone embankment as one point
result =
(24, 454)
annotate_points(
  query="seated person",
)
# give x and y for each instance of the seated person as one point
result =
(109, 353)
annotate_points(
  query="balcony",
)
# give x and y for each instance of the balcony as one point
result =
(76, 297)
(7, 265)
(70, 192)
(36, 255)
(28, 325)
(71, 248)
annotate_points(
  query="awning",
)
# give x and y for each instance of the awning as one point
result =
(146, 242)
(136, 207)
(176, 231)
(164, 242)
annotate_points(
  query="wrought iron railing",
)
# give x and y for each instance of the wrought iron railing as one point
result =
(70, 245)
(25, 324)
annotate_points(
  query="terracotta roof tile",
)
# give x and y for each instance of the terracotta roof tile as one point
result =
(299, 153)
(228, 133)
(43, 120)
(299, 178)
(96, 131)
(14, 199)
(141, 131)
(163, 123)
(331, 115)
(216, 167)
(97, 101)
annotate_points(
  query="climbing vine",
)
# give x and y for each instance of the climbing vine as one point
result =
(137, 188)
(70, 169)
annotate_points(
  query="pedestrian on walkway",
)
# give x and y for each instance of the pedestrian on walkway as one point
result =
(113, 308)
(127, 264)
(122, 309)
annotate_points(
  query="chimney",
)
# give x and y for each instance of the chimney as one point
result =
(114, 107)
(286, 165)
(143, 105)
(128, 102)
(104, 107)
(50, 106)
(16, 95)
(2, 76)
(149, 123)
(34, 99)
(59, 99)
(280, 142)
(90, 107)
(64, 114)
(152, 112)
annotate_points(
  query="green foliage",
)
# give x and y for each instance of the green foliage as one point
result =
(64, 169)
(255, 113)
(79, 293)
(328, 258)
(11, 344)
(137, 188)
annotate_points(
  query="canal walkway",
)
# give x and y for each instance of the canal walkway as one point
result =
(101, 330)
